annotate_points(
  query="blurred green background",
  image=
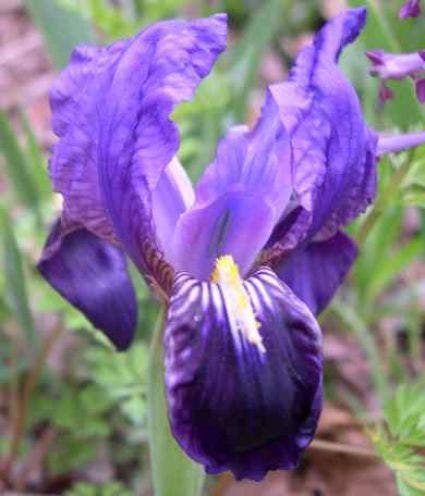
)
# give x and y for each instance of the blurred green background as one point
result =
(72, 411)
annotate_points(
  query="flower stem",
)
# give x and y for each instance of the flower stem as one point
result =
(350, 319)
(346, 449)
(21, 407)
(173, 473)
(378, 13)
(383, 199)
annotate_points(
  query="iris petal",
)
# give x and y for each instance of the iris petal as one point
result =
(334, 152)
(315, 272)
(111, 110)
(239, 198)
(72, 165)
(92, 275)
(234, 405)
(410, 8)
(172, 196)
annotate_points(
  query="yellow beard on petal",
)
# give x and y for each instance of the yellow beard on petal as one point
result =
(239, 309)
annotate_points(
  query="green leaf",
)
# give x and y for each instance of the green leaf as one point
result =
(122, 377)
(16, 289)
(174, 474)
(246, 55)
(110, 20)
(36, 158)
(17, 167)
(352, 320)
(391, 266)
(70, 454)
(413, 188)
(82, 412)
(375, 251)
(400, 439)
(108, 489)
(61, 29)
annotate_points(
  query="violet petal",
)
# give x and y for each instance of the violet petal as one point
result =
(111, 110)
(239, 198)
(172, 196)
(333, 149)
(410, 8)
(387, 65)
(399, 142)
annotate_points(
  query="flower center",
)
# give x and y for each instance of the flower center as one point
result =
(239, 309)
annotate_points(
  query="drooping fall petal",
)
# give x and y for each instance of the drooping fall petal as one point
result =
(243, 401)
(92, 275)
(314, 272)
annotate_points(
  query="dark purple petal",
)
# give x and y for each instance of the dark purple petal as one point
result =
(410, 8)
(376, 57)
(385, 93)
(420, 89)
(235, 403)
(239, 198)
(333, 149)
(92, 275)
(111, 109)
(316, 271)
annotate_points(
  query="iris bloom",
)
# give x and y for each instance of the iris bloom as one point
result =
(410, 8)
(398, 66)
(242, 262)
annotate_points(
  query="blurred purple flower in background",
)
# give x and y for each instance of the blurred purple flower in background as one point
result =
(398, 66)
(410, 8)
(242, 262)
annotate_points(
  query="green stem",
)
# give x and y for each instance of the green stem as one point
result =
(383, 199)
(342, 449)
(349, 318)
(20, 411)
(173, 473)
(381, 18)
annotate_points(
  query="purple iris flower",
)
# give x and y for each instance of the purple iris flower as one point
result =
(242, 262)
(398, 66)
(410, 8)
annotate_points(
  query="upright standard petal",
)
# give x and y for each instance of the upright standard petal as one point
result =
(92, 275)
(244, 394)
(314, 272)
(73, 163)
(239, 198)
(333, 149)
(172, 196)
(137, 139)
(111, 109)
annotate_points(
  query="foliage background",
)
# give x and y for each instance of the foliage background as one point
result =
(72, 411)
